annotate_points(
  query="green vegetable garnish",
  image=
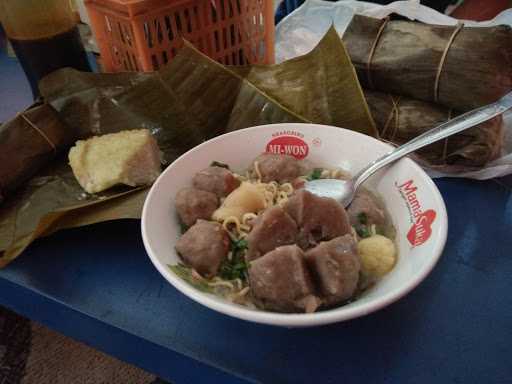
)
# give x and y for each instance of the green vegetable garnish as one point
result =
(363, 232)
(230, 270)
(315, 175)
(362, 218)
(185, 273)
(183, 227)
(237, 267)
(239, 245)
(219, 164)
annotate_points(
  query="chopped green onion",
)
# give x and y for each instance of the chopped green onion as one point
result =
(237, 267)
(363, 232)
(230, 270)
(183, 227)
(315, 175)
(239, 245)
(362, 218)
(219, 164)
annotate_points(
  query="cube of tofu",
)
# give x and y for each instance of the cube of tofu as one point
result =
(204, 247)
(280, 281)
(335, 266)
(128, 157)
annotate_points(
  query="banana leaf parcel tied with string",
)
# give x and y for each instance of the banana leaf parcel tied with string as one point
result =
(28, 142)
(400, 119)
(191, 100)
(456, 66)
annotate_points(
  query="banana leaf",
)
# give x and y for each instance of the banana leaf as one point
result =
(400, 119)
(28, 142)
(477, 69)
(321, 86)
(191, 100)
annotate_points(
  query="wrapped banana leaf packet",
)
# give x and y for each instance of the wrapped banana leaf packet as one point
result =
(420, 68)
(189, 101)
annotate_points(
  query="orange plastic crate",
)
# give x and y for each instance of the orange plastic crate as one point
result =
(143, 35)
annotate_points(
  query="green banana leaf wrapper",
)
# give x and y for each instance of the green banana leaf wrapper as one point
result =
(189, 101)
(400, 119)
(407, 56)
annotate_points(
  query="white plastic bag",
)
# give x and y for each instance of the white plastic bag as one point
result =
(299, 32)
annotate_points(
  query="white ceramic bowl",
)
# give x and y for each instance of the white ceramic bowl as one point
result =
(415, 204)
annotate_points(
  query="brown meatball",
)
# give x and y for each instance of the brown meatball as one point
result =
(335, 266)
(281, 282)
(272, 229)
(217, 180)
(365, 203)
(204, 247)
(318, 218)
(298, 183)
(281, 168)
(193, 204)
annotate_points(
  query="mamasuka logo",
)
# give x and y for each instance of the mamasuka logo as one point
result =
(421, 220)
(288, 143)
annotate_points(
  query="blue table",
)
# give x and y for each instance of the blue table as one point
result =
(97, 285)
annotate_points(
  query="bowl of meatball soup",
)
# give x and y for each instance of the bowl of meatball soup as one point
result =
(230, 225)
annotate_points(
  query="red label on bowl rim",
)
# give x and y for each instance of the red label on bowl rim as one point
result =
(421, 220)
(288, 145)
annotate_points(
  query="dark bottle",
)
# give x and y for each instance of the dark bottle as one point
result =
(44, 36)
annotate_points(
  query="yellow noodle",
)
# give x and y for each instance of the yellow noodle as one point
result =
(231, 220)
(257, 170)
(242, 292)
(354, 234)
(340, 174)
(196, 275)
(222, 283)
(240, 177)
(247, 217)
(273, 186)
(287, 188)
(282, 198)
(239, 284)
(269, 199)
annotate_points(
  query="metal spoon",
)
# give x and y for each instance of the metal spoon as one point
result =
(344, 190)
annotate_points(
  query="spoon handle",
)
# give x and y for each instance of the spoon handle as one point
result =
(442, 131)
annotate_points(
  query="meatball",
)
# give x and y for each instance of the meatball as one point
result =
(193, 204)
(204, 247)
(298, 183)
(217, 180)
(318, 218)
(272, 229)
(280, 168)
(335, 267)
(281, 282)
(365, 207)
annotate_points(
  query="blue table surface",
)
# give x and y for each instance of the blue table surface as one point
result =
(97, 285)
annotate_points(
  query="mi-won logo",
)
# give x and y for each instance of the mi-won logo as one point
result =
(288, 145)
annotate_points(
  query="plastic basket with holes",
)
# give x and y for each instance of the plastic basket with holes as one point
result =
(143, 35)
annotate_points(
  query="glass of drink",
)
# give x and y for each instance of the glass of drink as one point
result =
(44, 36)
